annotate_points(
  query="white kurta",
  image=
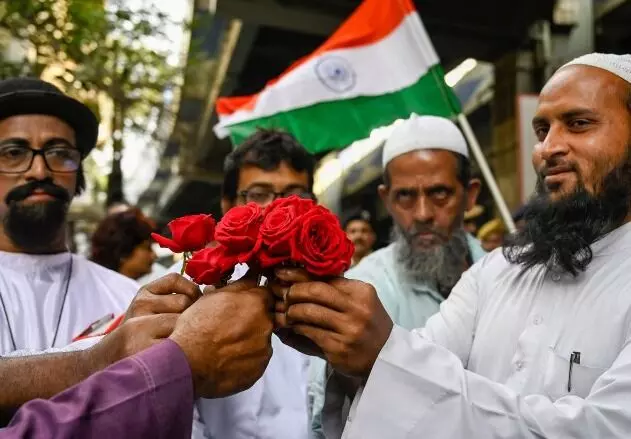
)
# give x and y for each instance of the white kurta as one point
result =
(33, 289)
(495, 362)
(276, 407)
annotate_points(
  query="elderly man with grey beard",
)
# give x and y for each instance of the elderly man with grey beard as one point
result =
(427, 189)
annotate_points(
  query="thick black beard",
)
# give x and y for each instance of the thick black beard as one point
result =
(559, 234)
(34, 228)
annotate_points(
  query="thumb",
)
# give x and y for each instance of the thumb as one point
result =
(292, 275)
(237, 286)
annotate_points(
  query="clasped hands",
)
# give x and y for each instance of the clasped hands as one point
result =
(340, 320)
(225, 333)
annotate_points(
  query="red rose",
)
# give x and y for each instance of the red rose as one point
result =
(321, 245)
(238, 230)
(282, 218)
(188, 233)
(210, 265)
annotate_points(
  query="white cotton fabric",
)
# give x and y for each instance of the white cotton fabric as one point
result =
(32, 288)
(619, 65)
(424, 132)
(494, 362)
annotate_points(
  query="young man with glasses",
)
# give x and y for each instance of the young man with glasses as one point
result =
(268, 165)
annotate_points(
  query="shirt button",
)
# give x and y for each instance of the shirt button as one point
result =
(537, 320)
(519, 366)
(556, 277)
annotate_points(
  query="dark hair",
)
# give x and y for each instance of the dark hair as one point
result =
(559, 234)
(361, 215)
(266, 149)
(118, 235)
(80, 181)
(463, 171)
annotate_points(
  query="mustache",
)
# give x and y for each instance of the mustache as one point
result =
(418, 228)
(46, 186)
(544, 170)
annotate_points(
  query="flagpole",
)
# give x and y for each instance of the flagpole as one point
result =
(489, 179)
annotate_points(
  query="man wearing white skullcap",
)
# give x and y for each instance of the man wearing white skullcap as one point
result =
(535, 340)
(427, 189)
(424, 132)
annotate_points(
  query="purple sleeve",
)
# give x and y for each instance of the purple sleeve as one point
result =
(147, 395)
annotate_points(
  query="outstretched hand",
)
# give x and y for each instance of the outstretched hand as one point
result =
(226, 337)
(170, 294)
(150, 318)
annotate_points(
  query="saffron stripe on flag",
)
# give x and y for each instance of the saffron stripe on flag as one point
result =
(336, 124)
(371, 22)
(371, 70)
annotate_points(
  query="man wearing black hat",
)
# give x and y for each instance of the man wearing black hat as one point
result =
(48, 296)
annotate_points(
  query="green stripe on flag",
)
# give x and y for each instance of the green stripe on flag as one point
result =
(335, 125)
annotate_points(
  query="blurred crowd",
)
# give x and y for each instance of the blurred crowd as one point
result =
(454, 329)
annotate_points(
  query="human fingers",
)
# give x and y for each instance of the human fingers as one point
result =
(316, 315)
(316, 292)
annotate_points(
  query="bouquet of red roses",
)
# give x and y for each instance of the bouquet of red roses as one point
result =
(291, 230)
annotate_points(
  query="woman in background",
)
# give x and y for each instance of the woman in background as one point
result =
(122, 242)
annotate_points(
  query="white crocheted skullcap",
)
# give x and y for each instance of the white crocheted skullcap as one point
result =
(423, 132)
(619, 65)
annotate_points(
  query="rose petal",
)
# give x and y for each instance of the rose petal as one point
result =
(238, 230)
(210, 265)
(167, 243)
(321, 245)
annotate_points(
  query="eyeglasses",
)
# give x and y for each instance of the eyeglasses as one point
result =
(17, 159)
(264, 196)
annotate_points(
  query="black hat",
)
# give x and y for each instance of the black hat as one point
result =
(357, 215)
(34, 96)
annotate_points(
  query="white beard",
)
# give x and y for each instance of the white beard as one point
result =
(443, 264)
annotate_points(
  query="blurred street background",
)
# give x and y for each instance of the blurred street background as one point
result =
(153, 71)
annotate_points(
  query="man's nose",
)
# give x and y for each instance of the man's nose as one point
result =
(554, 145)
(424, 211)
(38, 169)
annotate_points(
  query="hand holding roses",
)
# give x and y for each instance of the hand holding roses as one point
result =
(343, 318)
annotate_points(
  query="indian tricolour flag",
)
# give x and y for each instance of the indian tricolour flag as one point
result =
(379, 66)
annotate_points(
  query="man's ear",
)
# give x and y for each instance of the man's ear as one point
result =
(382, 190)
(472, 192)
(226, 205)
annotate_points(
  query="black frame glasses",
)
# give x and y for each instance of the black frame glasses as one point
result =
(268, 195)
(59, 159)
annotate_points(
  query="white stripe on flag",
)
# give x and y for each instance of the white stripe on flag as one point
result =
(394, 63)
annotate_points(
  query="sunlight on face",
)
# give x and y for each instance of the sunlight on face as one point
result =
(583, 127)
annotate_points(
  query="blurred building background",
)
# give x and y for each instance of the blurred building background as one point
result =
(498, 55)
